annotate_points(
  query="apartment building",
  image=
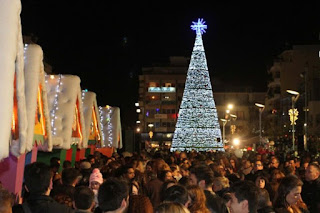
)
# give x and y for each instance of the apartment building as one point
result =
(160, 94)
(296, 69)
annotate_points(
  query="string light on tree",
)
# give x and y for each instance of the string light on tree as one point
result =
(197, 126)
(101, 124)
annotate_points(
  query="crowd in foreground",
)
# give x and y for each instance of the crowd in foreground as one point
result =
(164, 182)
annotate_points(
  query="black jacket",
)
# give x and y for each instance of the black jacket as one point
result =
(42, 204)
(311, 195)
(63, 190)
(267, 209)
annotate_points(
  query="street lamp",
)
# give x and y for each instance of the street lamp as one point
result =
(294, 98)
(230, 106)
(232, 125)
(236, 141)
(224, 122)
(233, 116)
(261, 108)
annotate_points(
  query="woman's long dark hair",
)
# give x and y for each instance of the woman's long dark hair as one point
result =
(286, 185)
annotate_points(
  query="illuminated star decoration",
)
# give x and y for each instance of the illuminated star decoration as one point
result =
(199, 26)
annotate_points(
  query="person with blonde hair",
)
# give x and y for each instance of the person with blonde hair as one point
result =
(6, 200)
(220, 185)
(198, 200)
(171, 207)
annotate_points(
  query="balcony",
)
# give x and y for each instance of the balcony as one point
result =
(161, 129)
(169, 102)
(153, 102)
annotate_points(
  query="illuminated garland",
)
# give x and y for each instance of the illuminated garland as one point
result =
(110, 126)
(101, 125)
(55, 103)
(197, 127)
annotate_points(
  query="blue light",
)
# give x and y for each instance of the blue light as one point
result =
(199, 26)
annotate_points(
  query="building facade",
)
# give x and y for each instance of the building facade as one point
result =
(160, 94)
(296, 69)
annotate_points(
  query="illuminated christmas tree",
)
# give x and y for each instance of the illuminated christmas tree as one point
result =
(197, 127)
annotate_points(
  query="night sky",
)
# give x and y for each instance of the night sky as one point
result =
(107, 44)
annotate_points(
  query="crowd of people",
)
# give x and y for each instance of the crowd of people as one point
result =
(160, 182)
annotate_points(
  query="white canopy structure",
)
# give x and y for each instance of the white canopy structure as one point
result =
(66, 111)
(11, 72)
(91, 117)
(110, 120)
(36, 96)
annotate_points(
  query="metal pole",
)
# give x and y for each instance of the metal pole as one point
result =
(223, 133)
(134, 140)
(294, 115)
(306, 111)
(260, 136)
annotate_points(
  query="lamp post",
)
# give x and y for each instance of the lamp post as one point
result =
(261, 108)
(224, 122)
(230, 106)
(305, 125)
(294, 98)
(236, 141)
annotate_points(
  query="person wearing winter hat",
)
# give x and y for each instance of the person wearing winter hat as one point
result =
(85, 169)
(95, 181)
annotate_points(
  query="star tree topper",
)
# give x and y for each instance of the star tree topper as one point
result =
(199, 26)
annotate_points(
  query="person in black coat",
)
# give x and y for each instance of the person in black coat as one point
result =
(70, 178)
(264, 203)
(311, 188)
(38, 182)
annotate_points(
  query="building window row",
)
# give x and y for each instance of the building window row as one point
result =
(150, 112)
(157, 84)
(162, 124)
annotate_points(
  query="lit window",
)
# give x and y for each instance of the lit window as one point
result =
(152, 84)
